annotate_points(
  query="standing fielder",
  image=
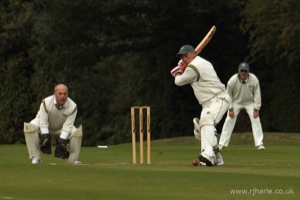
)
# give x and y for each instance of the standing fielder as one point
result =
(55, 117)
(210, 93)
(244, 91)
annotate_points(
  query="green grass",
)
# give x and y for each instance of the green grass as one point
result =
(109, 173)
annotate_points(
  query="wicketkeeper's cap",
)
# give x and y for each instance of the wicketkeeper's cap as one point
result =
(185, 49)
(244, 66)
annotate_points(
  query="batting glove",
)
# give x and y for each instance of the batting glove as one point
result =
(176, 70)
(182, 66)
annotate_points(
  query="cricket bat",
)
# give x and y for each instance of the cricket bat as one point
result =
(198, 49)
(206, 39)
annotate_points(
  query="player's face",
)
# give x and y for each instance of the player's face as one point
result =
(187, 58)
(243, 74)
(61, 95)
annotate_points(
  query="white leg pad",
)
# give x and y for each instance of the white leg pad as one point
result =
(32, 140)
(207, 129)
(197, 134)
(207, 120)
(208, 140)
(197, 131)
(75, 145)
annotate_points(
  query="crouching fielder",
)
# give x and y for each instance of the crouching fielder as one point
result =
(55, 118)
(244, 91)
(210, 93)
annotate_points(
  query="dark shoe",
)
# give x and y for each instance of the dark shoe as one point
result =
(61, 149)
(205, 160)
(46, 144)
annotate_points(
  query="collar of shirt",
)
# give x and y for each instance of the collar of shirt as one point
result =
(59, 107)
(243, 81)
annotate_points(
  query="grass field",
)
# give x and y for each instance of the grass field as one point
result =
(108, 173)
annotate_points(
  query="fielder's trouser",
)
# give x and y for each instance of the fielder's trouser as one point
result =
(31, 132)
(230, 123)
(211, 114)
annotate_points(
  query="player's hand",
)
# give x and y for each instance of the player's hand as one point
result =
(181, 65)
(255, 113)
(231, 113)
(176, 70)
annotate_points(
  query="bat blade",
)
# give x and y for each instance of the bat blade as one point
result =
(206, 39)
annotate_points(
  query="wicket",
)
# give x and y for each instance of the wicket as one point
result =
(133, 132)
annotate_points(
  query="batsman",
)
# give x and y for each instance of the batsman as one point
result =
(55, 118)
(210, 92)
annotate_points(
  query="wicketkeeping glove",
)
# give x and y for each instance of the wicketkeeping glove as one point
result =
(46, 144)
(61, 150)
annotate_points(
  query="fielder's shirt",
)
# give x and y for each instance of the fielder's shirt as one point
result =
(244, 93)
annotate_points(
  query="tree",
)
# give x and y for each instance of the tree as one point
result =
(16, 67)
(116, 54)
(274, 27)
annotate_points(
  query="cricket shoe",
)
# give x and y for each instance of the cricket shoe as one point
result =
(36, 161)
(261, 147)
(205, 159)
(76, 162)
(218, 160)
(221, 147)
(202, 163)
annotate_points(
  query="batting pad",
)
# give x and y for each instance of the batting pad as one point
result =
(208, 139)
(75, 145)
(197, 132)
(32, 140)
(208, 119)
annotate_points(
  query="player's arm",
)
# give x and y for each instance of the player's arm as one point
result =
(188, 77)
(179, 69)
(257, 97)
(230, 90)
(69, 123)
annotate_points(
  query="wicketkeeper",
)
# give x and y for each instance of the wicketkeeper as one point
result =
(210, 93)
(56, 118)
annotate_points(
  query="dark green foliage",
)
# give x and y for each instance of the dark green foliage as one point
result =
(16, 68)
(116, 54)
(274, 28)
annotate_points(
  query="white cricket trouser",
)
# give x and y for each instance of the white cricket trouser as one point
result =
(211, 114)
(75, 142)
(230, 123)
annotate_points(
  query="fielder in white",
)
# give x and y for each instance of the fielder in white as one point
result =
(244, 91)
(56, 118)
(210, 93)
